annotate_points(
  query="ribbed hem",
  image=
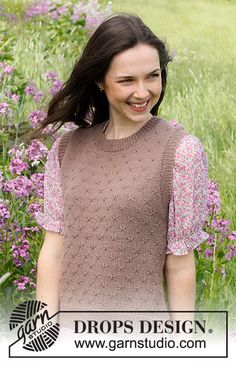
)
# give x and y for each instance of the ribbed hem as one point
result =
(168, 163)
(115, 145)
(63, 144)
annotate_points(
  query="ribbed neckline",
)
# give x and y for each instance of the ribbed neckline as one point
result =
(114, 145)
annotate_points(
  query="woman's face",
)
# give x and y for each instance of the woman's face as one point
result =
(133, 84)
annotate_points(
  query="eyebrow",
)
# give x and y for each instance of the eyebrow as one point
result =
(130, 77)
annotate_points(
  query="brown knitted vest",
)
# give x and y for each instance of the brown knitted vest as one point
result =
(116, 198)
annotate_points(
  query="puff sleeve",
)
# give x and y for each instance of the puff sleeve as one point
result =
(188, 205)
(52, 217)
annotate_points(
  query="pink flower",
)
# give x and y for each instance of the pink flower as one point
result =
(213, 199)
(22, 282)
(62, 9)
(37, 150)
(20, 186)
(1, 180)
(231, 253)
(54, 15)
(4, 212)
(4, 109)
(208, 253)
(18, 152)
(31, 89)
(56, 86)
(34, 209)
(232, 236)
(36, 117)
(211, 240)
(37, 181)
(20, 251)
(15, 97)
(8, 69)
(51, 75)
(38, 96)
(17, 166)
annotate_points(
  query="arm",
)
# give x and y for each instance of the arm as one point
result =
(48, 272)
(179, 272)
(187, 214)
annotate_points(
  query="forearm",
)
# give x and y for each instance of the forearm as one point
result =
(48, 274)
(181, 293)
(180, 279)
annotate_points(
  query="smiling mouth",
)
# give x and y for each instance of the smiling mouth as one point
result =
(139, 105)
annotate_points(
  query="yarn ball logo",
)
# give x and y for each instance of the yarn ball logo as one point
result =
(34, 326)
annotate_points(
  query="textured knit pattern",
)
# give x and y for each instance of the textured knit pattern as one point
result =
(116, 196)
(188, 205)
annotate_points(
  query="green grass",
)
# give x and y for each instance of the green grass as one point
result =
(201, 84)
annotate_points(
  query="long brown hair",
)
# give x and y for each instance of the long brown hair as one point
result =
(80, 99)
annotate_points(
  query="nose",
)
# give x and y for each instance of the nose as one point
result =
(141, 91)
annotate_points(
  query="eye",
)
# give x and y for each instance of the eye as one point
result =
(154, 75)
(127, 80)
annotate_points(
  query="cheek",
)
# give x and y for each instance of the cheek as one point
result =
(157, 90)
(158, 86)
(118, 94)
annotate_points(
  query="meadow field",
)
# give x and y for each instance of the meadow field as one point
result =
(201, 85)
(38, 48)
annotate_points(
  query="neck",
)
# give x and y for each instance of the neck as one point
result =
(117, 130)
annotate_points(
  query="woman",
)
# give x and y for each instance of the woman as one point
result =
(125, 194)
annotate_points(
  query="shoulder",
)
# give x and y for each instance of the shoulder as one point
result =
(190, 156)
(190, 148)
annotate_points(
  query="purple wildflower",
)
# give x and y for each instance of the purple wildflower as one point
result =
(21, 282)
(38, 96)
(4, 213)
(213, 200)
(34, 209)
(208, 253)
(51, 75)
(31, 89)
(211, 240)
(18, 152)
(62, 9)
(223, 273)
(20, 253)
(1, 180)
(15, 97)
(36, 117)
(38, 8)
(232, 236)
(17, 166)
(4, 109)
(20, 186)
(56, 86)
(8, 70)
(94, 15)
(21, 250)
(37, 181)
(223, 225)
(37, 150)
(54, 15)
(78, 13)
(231, 253)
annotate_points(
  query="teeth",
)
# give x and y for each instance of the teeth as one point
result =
(139, 105)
